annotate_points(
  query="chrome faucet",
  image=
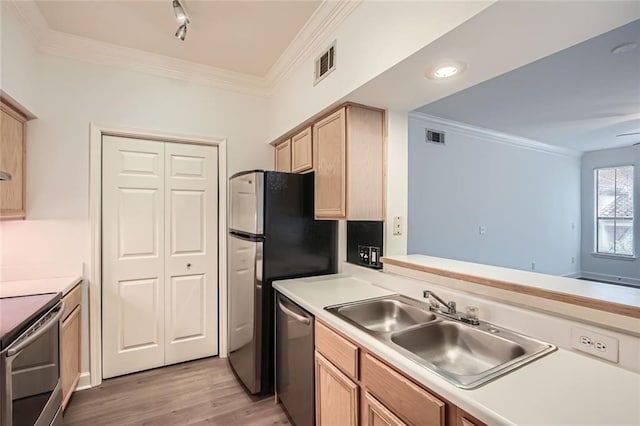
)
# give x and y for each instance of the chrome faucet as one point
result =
(471, 317)
(451, 306)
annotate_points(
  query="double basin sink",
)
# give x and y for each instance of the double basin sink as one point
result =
(466, 355)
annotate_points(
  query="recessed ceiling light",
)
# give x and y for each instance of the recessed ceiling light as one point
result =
(624, 48)
(445, 70)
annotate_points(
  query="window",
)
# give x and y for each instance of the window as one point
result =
(614, 204)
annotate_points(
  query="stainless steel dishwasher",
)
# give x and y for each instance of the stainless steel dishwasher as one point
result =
(294, 361)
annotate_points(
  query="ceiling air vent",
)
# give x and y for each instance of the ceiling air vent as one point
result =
(325, 63)
(434, 136)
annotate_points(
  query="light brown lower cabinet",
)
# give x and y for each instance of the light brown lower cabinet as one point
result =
(336, 396)
(388, 397)
(466, 419)
(70, 353)
(376, 414)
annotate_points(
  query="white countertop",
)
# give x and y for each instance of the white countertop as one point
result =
(562, 388)
(572, 286)
(39, 286)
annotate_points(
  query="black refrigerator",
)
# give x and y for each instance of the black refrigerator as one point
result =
(272, 236)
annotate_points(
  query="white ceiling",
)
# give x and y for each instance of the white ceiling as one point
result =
(241, 36)
(579, 98)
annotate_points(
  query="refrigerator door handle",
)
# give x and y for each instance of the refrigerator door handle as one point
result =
(293, 315)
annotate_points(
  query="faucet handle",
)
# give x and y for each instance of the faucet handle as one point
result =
(472, 315)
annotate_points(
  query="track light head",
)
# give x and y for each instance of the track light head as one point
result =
(182, 31)
(182, 17)
(180, 12)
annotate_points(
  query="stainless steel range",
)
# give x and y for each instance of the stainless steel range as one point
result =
(30, 389)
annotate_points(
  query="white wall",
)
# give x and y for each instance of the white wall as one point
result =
(68, 95)
(601, 267)
(17, 61)
(376, 36)
(526, 199)
(396, 191)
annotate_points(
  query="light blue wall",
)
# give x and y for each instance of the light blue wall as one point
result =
(526, 199)
(598, 266)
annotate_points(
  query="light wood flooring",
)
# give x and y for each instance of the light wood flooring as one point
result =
(198, 392)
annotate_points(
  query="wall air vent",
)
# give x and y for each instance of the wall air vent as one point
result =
(434, 136)
(325, 63)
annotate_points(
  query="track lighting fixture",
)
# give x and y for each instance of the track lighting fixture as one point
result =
(182, 31)
(182, 17)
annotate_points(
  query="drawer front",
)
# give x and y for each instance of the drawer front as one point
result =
(407, 400)
(71, 300)
(341, 352)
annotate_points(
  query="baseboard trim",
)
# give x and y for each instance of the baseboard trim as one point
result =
(614, 279)
(84, 382)
(576, 274)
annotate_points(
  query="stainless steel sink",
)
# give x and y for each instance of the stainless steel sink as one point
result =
(383, 315)
(466, 355)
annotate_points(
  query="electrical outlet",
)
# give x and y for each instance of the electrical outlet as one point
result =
(397, 225)
(573, 259)
(533, 266)
(482, 230)
(593, 343)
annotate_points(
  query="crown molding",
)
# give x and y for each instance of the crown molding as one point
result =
(326, 18)
(97, 52)
(492, 135)
(329, 15)
(30, 19)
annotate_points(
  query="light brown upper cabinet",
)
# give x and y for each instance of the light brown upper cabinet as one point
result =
(348, 161)
(12, 161)
(283, 156)
(302, 151)
(295, 154)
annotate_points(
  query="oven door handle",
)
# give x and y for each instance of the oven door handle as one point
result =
(39, 332)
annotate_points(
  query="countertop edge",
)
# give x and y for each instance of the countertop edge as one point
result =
(38, 286)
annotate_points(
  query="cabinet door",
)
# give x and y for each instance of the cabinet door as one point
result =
(12, 161)
(465, 419)
(302, 151)
(376, 414)
(70, 354)
(329, 136)
(336, 396)
(283, 156)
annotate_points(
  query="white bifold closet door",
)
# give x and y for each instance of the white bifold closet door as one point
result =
(159, 253)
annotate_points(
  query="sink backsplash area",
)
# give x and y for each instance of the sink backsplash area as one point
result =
(365, 242)
(558, 330)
